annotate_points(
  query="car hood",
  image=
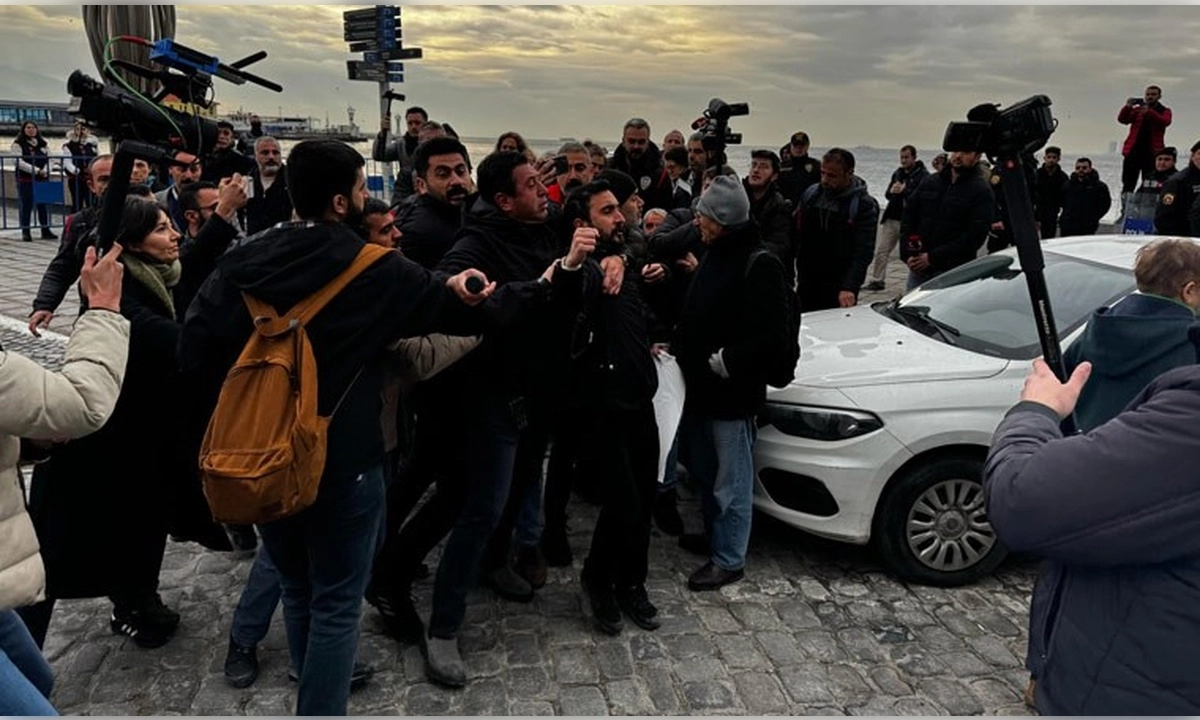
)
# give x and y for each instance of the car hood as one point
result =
(858, 346)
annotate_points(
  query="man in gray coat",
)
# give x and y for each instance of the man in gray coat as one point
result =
(1118, 511)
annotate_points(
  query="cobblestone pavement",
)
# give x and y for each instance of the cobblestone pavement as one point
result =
(815, 628)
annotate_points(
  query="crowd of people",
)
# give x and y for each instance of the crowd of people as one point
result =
(486, 344)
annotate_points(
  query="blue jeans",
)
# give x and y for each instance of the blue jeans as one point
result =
(256, 606)
(492, 436)
(915, 279)
(324, 559)
(25, 677)
(530, 522)
(718, 454)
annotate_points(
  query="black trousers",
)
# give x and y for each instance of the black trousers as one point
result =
(627, 461)
(1133, 167)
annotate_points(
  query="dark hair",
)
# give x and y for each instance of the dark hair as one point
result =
(677, 155)
(636, 124)
(578, 204)
(445, 145)
(224, 124)
(189, 196)
(1154, 87)
(521, 146)
(138, 219)
(432, 125)
(141, 190)
(496, 174)
(318, 171)
(1053, 149)
(1195, 146)
(840, 155)
(1168, 150)
(767, 155)
(1086, 160)
(911, 150)
(449, 130)
(417, 109)
(38, 139)
(373, 206)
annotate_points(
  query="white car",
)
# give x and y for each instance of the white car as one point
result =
(882, 436)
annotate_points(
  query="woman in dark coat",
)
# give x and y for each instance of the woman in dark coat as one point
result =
(102, 505)
(33, 164)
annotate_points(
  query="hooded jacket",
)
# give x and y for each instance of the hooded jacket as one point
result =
(949, 219)
(1128, 344)
(653, 182)
(833, 249)
(895, 201)
(743, 314)
(1085, 200)
(393, 298)
(427, 228)
(773, 213)
(1117, 511)
(527, 357)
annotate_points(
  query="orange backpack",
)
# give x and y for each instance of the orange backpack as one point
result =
(264, 450)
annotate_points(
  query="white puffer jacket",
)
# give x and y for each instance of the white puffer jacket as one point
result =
(42, 405)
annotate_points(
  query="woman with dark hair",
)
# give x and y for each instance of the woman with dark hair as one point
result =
(33, 164)
(103, 505)
(513, 142)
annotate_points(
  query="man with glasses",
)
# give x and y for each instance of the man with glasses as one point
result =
(798, 171)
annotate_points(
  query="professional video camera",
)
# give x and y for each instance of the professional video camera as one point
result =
(715, 124)
(1010, 137)
(145, 128)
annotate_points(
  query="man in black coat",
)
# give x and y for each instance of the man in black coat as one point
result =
(771, 210)
(835, 235)
(947, 219)
(735, 318)
(324, 553)
(639, 158)
(799, 170)
(1085, 200)
(1177, 197)
(1048, 193)
(269, 201)
(224, 160)
(429, 222)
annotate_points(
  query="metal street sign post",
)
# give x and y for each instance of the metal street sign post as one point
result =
(376, 33)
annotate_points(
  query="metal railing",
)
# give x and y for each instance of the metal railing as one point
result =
(59, 194)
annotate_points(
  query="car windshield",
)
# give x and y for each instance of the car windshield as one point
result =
(984, 305)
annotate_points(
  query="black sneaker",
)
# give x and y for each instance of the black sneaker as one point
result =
(360, 676)
(399, 612)
(508, 584)
(556, 547)
(531, 565)
(149, 626)
(635, 603)
(601, 605)
(666, 513)
(241, 665)
(874, 286)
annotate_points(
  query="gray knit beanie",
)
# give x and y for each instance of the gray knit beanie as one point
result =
(725, 201)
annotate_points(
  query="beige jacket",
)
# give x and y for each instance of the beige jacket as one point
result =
(41, 405)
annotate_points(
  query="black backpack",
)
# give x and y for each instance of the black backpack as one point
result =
(781, 368)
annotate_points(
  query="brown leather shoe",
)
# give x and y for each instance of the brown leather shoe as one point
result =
(711, 577)
(1030, 693)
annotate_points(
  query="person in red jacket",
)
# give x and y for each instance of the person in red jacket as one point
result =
(1147, 119)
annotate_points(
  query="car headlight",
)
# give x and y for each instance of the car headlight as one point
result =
(817, 423)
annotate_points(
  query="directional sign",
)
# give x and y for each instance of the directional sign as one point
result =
(396, 77)
(359, 70)
(372, 12)
(394, 54)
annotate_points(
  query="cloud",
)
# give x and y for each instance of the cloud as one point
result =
(849, 75)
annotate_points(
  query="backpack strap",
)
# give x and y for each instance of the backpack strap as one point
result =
(304, 311)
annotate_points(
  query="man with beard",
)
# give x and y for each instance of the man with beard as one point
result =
(947, 219)
(224, 160)
(835, 235)
(269, 202)
(1148, 120)
(697, 162)
(324, 553)
(1085, 200)
(611, 386)
(1048, 193)
(512, 380)
(640, 159)
(181, 176)
(428, 223)
(400, 150)
(1164, 168)
(578, 173)
(770, 210)
(904, 183)
(799, 170)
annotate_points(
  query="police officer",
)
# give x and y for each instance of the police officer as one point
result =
(1177, 197)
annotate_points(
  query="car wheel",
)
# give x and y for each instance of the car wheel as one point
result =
(931, 526)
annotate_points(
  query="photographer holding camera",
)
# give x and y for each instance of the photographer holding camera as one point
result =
(1148, 120)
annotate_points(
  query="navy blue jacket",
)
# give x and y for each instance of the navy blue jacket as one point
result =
(1118, 509)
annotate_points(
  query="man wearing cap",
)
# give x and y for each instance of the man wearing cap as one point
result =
(1164, 168)
(1176, 198)
(798, 169)
(735, 317)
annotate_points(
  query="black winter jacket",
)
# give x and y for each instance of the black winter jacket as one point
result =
(797, 174)
(1048, 193)
(895, 201)
(64, 269)
(743, 314)
(951, 219)
(773, 213)
(1085, 200)
(834, 250)
(1175, 201)
(268, 207)
(653, 182)
(428, 227)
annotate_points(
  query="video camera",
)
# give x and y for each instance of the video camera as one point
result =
(145, 128)
(715, 125)
(1017, 131)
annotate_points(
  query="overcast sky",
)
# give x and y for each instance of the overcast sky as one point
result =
(864, 75)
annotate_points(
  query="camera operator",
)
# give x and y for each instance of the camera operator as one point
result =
(224, 160)
(1177, 196)
(1147, 119)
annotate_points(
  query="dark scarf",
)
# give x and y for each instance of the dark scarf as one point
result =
(157, 277)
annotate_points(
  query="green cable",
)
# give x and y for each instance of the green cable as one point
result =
(108, 67)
